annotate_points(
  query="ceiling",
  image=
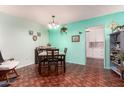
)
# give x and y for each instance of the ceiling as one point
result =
(64, 14)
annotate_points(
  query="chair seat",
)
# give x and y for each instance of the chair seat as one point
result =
(42, 53)
(8, 65)
(61, 53)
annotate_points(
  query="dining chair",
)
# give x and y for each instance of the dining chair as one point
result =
(42, 62)
(52, 59)
(61, 63)
(47, 60)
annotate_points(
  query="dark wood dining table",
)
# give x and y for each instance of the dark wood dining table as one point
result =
(43, 54)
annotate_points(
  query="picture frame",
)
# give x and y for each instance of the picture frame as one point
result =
(76, 38)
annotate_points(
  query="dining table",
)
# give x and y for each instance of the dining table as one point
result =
(41, 53)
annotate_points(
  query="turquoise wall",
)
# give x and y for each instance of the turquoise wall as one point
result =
(76, 51)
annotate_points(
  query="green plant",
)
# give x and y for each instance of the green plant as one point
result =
(119, 26)
(64, 29)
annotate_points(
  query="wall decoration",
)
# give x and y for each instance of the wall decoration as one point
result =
(39, 34)
(64, 29)
(34, 37)
(76, 38)
(31, 32)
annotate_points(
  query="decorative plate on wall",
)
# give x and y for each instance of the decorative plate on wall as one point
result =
(34, 38)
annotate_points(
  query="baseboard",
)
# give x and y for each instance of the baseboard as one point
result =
(75, 63)
(21, 66)
(95, 58)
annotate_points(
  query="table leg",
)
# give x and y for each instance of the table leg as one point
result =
(39, 68)
(48, 68)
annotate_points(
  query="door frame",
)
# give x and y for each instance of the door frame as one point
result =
(104, 58)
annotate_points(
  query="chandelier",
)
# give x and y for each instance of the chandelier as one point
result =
(53, 24)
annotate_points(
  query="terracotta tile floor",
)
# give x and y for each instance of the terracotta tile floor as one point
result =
(91, 75)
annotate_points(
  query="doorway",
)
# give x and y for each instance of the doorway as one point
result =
(95, 46)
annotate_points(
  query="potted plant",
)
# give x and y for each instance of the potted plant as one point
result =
(64, 29)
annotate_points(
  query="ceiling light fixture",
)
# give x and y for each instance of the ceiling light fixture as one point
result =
(53, 24)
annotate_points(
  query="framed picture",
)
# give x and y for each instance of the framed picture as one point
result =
(76, 38)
